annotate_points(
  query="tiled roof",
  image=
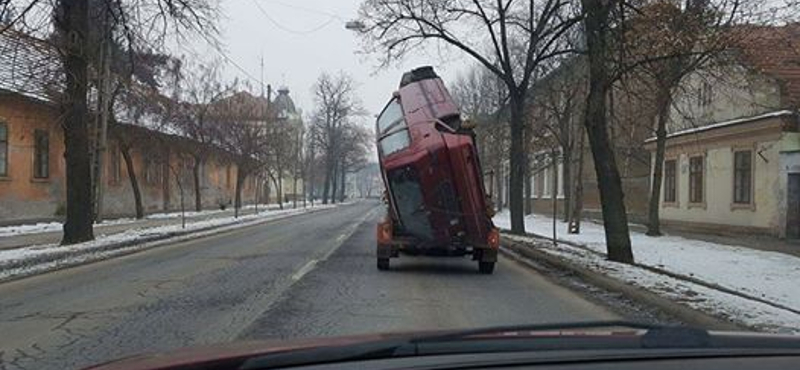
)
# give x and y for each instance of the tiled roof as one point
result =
(29, 66)
(774, 51)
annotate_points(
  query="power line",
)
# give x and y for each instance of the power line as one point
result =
(308, 10)
(228, 59)
(331, 18)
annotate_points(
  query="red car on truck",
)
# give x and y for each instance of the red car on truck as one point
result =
(437, 203)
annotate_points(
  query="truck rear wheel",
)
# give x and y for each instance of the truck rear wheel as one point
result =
(486, 267)
(383, 264)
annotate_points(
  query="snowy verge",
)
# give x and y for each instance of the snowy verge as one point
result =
(686, 262)
(15, 263)
(56, 226)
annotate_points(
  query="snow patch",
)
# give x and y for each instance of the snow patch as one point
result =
(770, 276)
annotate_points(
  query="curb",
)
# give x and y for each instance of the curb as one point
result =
(72, 258)
(684, 313)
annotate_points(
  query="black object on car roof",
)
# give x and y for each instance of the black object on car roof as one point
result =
(418, 74)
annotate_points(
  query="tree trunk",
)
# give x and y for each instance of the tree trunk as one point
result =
(198, 191)
(342, 184)
(498, 179)
(566, 175)
(653, 221)
(517, 162)
(280, 189)
(326, 186)
(615, 218)
(237, 202)
(277, 192)
(137, 193)
(73, 27)
(528, 193)
(294, 189)
(334, 182)
(577, 199)
(304, 191)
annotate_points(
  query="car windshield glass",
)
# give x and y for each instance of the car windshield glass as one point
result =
(183, 172)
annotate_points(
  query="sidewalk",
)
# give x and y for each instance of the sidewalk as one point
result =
(750, 286)
(50, 232)
(760, 242)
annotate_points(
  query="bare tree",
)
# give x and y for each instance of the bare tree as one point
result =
(521, 36)
(279, 158)
(668, 40)
(72, 25)
(200, 90)
(482, 96)
(353, 154)
(243, 119)
(138, 25)
(336, 105)
(598, 28)
(137, 99)
(556, 112)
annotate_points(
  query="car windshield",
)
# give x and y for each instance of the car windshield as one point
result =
(180, 173)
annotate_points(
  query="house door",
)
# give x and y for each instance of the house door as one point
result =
(793, 207)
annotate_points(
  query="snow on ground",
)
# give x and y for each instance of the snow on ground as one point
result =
(55, 226)
(41, 227)
(102, 243)
(770, 276)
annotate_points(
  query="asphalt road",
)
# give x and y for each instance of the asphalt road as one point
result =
(305, 276)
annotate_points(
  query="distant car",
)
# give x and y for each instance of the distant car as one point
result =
(430, 166)
(578, 346)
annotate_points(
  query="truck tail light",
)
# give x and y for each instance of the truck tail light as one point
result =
(385, 232)
(494, 238)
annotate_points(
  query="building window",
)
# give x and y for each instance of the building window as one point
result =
(3, 149)
(742, 176)
(670, 181)
(696, 180)
(41, 154)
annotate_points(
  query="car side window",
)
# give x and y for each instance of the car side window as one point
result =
(391, 115)
(395, 142)
(390, 120)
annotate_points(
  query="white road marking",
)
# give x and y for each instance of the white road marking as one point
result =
(304, 270)
(264, 300)
(310, 265)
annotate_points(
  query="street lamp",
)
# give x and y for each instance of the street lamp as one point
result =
(357, 26)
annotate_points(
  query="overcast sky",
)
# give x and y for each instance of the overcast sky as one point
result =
(300, 39)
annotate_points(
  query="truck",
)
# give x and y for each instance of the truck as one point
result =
(434, 190)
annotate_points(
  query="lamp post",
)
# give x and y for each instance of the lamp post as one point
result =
(355, 25)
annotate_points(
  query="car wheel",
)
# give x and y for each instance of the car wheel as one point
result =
(383, 264)
(486, 267)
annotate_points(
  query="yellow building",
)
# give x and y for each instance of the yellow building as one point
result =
(740, 175)
(732, 160)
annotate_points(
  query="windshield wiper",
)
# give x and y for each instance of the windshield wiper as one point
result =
(353, 352)
(460, 334)
(410, 345)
